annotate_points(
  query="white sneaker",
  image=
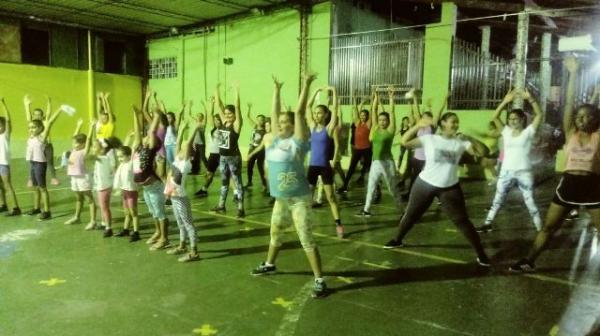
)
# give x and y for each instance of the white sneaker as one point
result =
(91, 226)
(72, 221)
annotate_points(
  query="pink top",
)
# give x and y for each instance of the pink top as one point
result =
(35, 150)
(583, 157)
(161, 133)
(76, 163)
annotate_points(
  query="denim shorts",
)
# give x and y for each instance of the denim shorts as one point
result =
(155, 199)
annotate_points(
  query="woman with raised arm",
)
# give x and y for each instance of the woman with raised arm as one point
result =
(213, 148)
(258, 132)
(39, 131)
(175, 190)
(516, 167)
(145, 150)
(44, 117)
(439, 178)
(105, 127)
(199, 153)
(285, 154)
(383, 166)
(361, 149)
(322, 125)
(230, 163)
(580, 183)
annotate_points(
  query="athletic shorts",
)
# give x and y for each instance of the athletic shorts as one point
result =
(213, 162)
(314, 172)
(130, 199)
(578, 190)
(4, 170)
(81, 183)
(296, 211)
(37, 173)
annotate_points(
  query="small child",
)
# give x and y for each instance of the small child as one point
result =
(6, 185)
(124, 184)
(81, 182)
(36, 155)
(104, 167)
(175, 190)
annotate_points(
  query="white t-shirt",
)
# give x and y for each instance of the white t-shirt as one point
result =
(4, 149)
(441, 159)
(517, 148)
(124, 177)
(175, 186)
(103, 171)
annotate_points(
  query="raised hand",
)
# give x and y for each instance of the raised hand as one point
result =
(27, 100)
(277, 83)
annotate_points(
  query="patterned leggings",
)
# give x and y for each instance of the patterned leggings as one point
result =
(182, 209)
(231, 167)
(524, 180)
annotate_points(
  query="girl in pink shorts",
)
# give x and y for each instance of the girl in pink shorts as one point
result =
(124, 183)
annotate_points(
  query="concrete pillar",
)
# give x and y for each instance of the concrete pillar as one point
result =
(485, 50)
(521, 57)
(545, 70)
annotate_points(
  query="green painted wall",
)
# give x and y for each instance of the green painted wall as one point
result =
(260, 46)
(64, 86)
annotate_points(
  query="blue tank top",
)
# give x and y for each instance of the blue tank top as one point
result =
(321, 147)
(285, 160)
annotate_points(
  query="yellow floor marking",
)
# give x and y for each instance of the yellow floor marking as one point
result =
(205, 330)
(409, 252)
(346, 280)
(282, 302)
(384, 265)
(451, 230)
(246, 229)
(344, 258)
(52, 282)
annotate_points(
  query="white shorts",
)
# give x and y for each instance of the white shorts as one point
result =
(81, 183)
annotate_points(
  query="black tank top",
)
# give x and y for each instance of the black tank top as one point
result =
(228, 141)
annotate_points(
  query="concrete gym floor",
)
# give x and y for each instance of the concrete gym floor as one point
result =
(62, 280)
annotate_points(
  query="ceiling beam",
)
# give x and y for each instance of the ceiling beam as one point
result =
(496, 6)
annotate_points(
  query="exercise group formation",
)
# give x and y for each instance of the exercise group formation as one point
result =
(164, 148)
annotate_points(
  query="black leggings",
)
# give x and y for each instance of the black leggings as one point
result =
(260, 159)
(357, 155)
(453, 204)
(198, 156)
(416, 166)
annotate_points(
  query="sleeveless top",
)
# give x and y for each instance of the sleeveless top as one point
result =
(361, 136)
(287, 176)
(35, 150)
(321, 147)
(228, 141)
(583, 157)
(382, 145)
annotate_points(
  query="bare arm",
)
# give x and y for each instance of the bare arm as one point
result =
(496, 116)
(99, 104)
(438, 115)
(107, 109)
(311, 101)
(8, 122)
(276, 107)
(538, 114)
(48, 108)
(27, 104)
(90, 135)
(249, 115)
(137, 132)
(572, 67)
(153, 128)
(477, 147)
(239, 121)
(219, 101)
(78, 127)
(392, 127)
(301, 130)
(409, 139)
(333, 123)
(51, 121)
(373, 115)
(146, 104)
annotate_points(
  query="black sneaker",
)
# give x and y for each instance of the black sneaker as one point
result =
(34, 212)
(342, 190)
(484, 261)
(107, 233)
(393, 244)
(14, 212)
(317, 205)
(123, 233)
(248, 186)
(134, 237)
(241, 213)
(522, 266)
(168, 201)
(201, 193)
(363, 213)
(320, 289)
(263, 268)
(3, 208)
(44, 215)
(236, 199)
(484, 228)
(218, 209)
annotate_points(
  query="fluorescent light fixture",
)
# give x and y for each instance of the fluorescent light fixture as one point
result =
(576, 43)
